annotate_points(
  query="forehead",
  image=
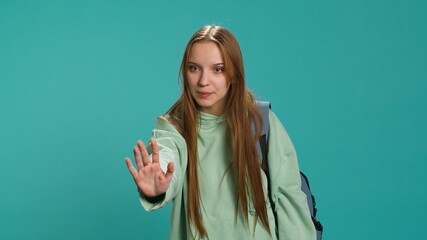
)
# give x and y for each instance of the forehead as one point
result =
(205, 52)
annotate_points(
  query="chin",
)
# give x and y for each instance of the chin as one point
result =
(204, 103)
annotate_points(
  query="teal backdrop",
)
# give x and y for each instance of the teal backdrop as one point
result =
(82, 81)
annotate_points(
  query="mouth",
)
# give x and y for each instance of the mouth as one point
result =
(204, 94)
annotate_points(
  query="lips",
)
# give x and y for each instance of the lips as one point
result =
(204, 94)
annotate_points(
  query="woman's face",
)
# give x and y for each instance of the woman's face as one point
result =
(206, 77)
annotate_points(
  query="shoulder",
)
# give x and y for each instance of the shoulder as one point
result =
(273, 119)
(164, 130)
(164, 123)
(278, 133)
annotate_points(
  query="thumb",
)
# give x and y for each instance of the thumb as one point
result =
(169, 172)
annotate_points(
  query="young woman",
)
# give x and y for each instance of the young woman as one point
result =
(203, 156)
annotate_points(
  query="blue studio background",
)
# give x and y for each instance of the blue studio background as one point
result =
(81, 81)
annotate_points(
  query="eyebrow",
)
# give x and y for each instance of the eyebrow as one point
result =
(215, 64)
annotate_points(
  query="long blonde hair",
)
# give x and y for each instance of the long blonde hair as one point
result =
(240, 112)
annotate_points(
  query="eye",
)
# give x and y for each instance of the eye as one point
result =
(218, 69)
(193, 68)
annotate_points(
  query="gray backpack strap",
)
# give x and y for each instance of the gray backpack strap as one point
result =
(265, 111)
(311, 201)
(262, 145)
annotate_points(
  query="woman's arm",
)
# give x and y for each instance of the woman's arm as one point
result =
(293, 215)
(161, 166)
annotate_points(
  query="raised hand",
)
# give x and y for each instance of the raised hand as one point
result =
(149, 177)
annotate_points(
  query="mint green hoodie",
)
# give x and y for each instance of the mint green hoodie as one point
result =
(218, 187)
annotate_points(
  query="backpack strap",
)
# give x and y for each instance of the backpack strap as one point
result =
(311, 201)
(262, 146)
(264, 107)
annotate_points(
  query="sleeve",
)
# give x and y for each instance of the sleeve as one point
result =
(293, 215)
(172, 148)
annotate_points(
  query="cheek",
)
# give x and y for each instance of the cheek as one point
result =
(192, 80)
(225, 84)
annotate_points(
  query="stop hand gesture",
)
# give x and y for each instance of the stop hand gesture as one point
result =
(150, 178)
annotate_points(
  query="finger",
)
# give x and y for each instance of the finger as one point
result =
(145, 158)
(169, 172)
(132, 170)
(138, 159)
(155, 149)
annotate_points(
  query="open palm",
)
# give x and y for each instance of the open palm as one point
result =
(149, 177)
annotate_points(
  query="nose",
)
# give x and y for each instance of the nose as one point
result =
(204, 78)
